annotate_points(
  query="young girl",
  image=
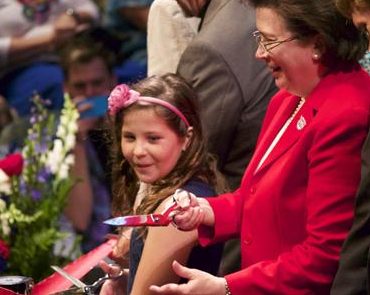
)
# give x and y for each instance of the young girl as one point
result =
(159, 147)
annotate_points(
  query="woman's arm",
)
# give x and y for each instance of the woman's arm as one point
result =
(46, 38)
(43, 40)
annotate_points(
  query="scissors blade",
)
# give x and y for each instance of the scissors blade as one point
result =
(137, 220)
(66, 275)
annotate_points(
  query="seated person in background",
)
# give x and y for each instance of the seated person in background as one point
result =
(88, 70)
(352, 277)
(130, 18)
(294, 207)
(30, 33)
(159, 145)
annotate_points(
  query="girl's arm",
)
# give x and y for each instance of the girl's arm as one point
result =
(162, 246)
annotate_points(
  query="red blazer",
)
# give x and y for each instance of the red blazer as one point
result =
(293, 214)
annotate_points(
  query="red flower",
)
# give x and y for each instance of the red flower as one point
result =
(12, 164)
(4, 250)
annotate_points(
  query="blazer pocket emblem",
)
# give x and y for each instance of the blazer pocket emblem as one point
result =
(301, 123)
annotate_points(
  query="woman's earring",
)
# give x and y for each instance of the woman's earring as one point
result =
(316, 56)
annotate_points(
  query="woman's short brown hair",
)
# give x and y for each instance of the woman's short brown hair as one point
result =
(346, 6)
(308, 18)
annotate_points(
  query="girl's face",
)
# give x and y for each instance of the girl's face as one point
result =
(150, 146)
(290, 62)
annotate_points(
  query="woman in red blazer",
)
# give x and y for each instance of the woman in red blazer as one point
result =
(295, 204)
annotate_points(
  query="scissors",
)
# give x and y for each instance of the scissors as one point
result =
(155, 219)
(87, 289)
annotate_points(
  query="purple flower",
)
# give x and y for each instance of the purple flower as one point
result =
(43, 175)
(40, 148)
(32, 136)
(33, 120)
(36, 195)
(47, 102)
(22, 187)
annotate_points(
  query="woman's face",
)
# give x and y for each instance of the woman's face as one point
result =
(361, 19)
(150, 146)
(294, 65)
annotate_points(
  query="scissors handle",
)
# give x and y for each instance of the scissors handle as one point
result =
(165, 217)
(96, 285)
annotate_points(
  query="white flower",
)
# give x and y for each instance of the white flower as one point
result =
(70, 160)
(4, 183)
(5, 227)
(2, 205)
(59, 160)
(4, 217)
(70, 141)
(63, 170)
(61, 132)
(55, 156)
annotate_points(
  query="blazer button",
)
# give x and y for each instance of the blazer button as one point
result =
(252, 190)
(248, 240)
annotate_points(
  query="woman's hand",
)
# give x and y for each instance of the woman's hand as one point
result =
(199, 282)
(113, 286)
(192, 212)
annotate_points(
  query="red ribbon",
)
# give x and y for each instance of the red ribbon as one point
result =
(78, 268)
(4, 291)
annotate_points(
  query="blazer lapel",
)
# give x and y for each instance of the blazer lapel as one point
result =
(301, 120)
(298, 125)
(282, 114)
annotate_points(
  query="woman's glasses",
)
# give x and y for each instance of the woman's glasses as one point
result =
(267, 46)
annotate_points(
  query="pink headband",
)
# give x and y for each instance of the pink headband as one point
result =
(122, 97)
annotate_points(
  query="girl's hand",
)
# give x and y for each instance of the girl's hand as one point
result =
(116, 286)
(120, 251)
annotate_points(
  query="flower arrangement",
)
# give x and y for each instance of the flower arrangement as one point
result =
(33, 197)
